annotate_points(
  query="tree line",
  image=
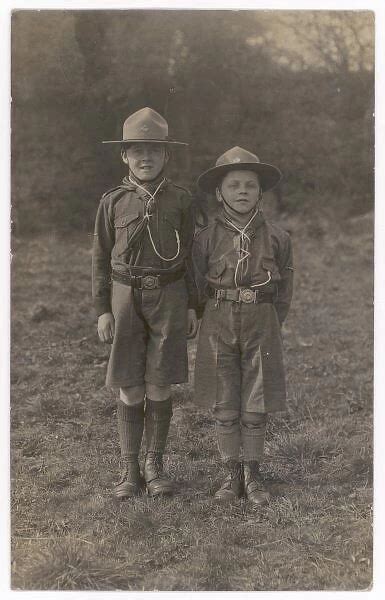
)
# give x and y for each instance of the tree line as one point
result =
(295, 87)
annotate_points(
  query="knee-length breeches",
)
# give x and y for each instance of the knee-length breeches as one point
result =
(239, 362)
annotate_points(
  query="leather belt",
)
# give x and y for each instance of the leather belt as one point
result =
(246, 295)
(149, 281)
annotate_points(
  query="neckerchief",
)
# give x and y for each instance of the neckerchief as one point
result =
(149, 186)
(255, 222)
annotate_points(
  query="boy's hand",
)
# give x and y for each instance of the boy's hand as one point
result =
(192, 324)
(106, 328)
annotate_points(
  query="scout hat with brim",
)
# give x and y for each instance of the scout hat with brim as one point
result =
(145, 125)
(239, 159)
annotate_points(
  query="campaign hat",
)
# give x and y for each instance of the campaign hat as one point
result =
(239, 159)
(145, 125)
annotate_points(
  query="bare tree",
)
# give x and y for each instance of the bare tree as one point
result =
(328, 40)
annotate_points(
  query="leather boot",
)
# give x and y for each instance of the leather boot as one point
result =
(131, 482)
(232, 487)
(158, 484)
(255, 489)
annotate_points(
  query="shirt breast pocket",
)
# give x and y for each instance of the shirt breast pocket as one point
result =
(169, 235)
(124, 227)
(217, 269)
(269, 270)
(172, 220)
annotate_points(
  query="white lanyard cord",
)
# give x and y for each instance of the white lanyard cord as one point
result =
(156, 251)
(246, 253)
(243, 250)
(152, 196)
(147, 216)
(264, 282)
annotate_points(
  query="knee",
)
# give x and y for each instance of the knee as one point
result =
(226, 417)
(251, 420)
(158, 393)
(132, 395)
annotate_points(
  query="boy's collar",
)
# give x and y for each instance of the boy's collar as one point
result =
(131, 183)
(257, 221)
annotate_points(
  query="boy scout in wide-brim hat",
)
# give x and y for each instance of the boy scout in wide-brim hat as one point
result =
(244, 269)
(144, 296)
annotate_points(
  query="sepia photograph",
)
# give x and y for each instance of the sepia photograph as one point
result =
(192, 292)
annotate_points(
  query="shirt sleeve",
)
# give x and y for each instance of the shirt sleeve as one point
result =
(285, 285)
(187, 236)
(104, 240)
(200, 265)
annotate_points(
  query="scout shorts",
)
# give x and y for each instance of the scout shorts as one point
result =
(150, 336)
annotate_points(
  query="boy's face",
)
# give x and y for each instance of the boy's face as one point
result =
(241, 190)
(145, 160)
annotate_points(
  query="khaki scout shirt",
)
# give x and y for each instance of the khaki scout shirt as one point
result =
(121, 212)
(218, 248)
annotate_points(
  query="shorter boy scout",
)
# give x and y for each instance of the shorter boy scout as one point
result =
(144, 296)
(244, 270)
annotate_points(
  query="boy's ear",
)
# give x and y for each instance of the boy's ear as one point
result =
(167, 155)
(218, 194)
(123, 154)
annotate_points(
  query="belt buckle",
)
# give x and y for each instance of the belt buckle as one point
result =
(247, 296)
(150, 282)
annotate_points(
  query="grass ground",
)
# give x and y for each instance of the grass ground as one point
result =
(68, 534)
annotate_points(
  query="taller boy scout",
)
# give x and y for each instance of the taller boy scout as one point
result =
(244, 272)
(144, 296)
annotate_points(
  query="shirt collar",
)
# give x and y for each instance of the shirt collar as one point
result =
(151, 186)
(255, 224)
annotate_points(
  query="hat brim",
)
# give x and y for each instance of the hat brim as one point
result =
(147, 141)
(268, 175)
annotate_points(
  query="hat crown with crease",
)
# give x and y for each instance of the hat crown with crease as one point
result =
(237, 155)
(145, 125)
(239, 159)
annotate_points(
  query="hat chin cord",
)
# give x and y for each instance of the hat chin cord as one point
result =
(258, 206)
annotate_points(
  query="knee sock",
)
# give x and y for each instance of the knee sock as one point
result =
(130, 426)
(228, 434)
(229, 441)
(157, 416)
(253, 429)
